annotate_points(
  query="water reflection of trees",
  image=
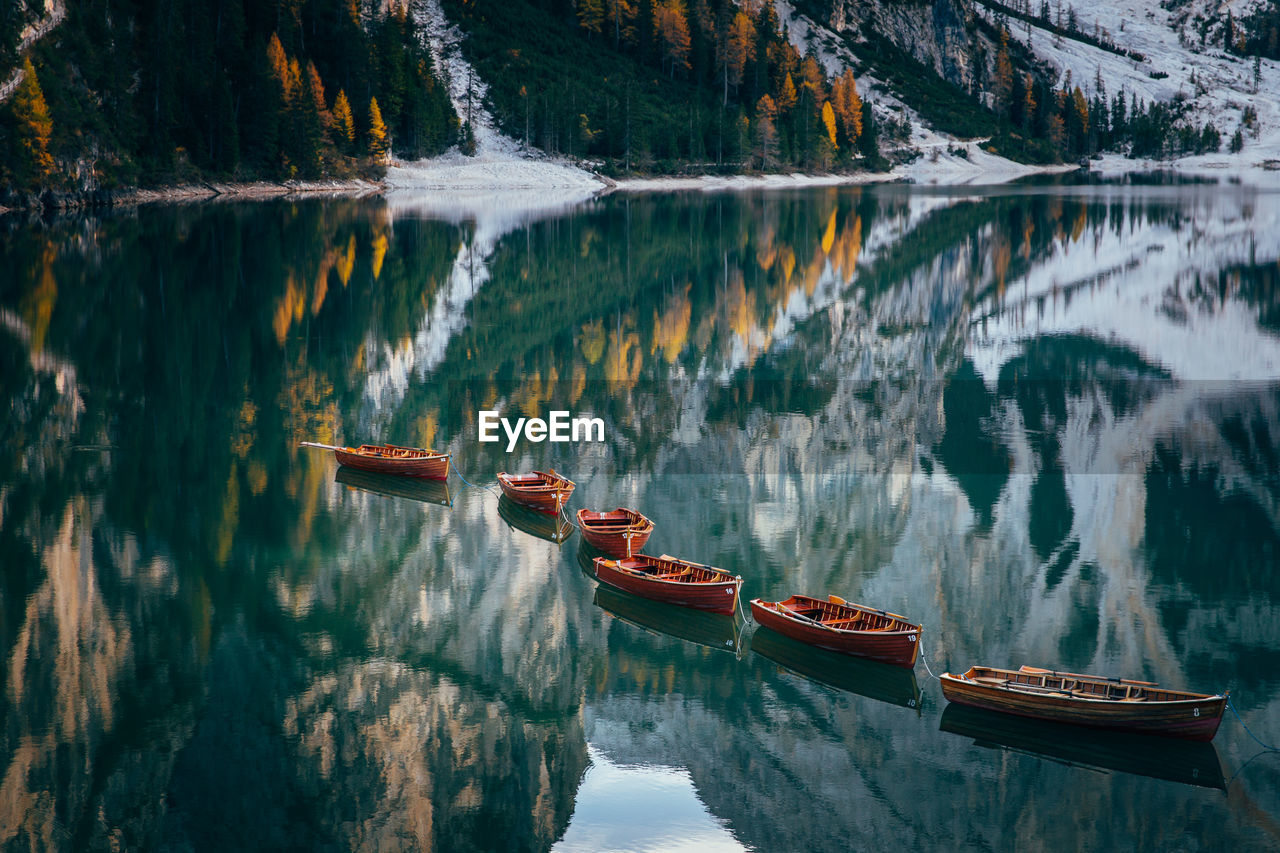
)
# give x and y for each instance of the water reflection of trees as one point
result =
(203, 579)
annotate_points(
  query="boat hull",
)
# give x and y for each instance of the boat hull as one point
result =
(1193, 719)
(433, 467)
(899, 648)
(716, 597)
(608, 532)
(547, 501)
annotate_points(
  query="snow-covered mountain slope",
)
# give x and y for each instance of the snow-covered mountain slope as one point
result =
(944, 158)
(1216, 86)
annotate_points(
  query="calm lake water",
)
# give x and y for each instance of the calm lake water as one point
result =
(1044, 421)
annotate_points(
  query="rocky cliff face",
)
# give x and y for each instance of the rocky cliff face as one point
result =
(940, 34)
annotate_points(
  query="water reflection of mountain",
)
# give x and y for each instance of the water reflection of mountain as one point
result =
(878, 393)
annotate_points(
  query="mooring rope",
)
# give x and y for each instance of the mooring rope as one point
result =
(925, 660)
(1268, 747)
(739, 607)
(1241, 769)
(461, 477)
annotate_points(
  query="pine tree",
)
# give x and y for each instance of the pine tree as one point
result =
(868, 139)
(1017, 102)
(829, 122)
(1057, 134)
(673, 30)
(1003, 84)
(378, 146)
(813, 79)
(312, 114)
(467, 140)
(277, 62)
(34, 127)
(1237, 142)
(591, 15)
(620, 17)
(1210, 139)
(1078, 109)
(739, 50)
(786, 95)
(766, 132)
(315, 88)
(848, 105)
(344, 122)
(1029, 104)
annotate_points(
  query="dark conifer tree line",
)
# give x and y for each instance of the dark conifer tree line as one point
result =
(1059, 121)
(141, 91)
(1258, 32)
(665, 84)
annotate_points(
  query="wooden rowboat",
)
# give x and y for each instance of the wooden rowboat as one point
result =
(674, 581)
(839, 626)
(545, 491)
(619, 533)
(1088, 700)
(390, 459)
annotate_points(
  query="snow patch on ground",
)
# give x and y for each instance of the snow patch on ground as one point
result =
(499, 161)
(943, 163)
(718, 183)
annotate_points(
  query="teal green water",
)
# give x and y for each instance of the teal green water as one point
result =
(1044, 421)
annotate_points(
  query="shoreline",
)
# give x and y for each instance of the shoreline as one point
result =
(252, 190)
(49, 200)
(188, 193)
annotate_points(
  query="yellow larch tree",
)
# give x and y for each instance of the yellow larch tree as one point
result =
(829, 122)
(34, 125)
(378, 146)
(344, 123)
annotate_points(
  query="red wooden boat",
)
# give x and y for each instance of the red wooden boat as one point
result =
(1088, 700)
(839, 626)
(391, 459)
(619, 533)
(545, 491)
(673, 581)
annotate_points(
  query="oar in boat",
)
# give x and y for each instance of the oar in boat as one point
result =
(321, 446)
